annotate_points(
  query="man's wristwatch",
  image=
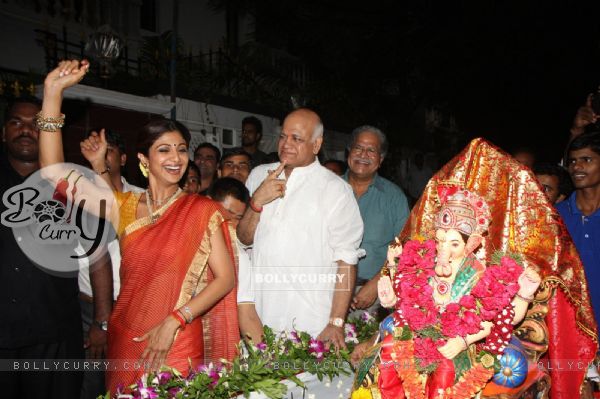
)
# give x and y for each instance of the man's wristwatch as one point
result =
(336, 321)
(103, 325)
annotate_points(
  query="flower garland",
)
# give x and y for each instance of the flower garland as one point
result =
(259, 368)
(489, 300)
(412, 381)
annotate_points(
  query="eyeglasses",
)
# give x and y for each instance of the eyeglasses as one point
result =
(357, 149)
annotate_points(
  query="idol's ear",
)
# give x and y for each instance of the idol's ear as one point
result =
(473, 243)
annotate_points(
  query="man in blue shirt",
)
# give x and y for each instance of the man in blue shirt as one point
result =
(383, 207)
(581, 211)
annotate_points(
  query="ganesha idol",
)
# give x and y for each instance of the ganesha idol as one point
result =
(450, 332)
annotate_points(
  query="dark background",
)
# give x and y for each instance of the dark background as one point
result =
(513, 72)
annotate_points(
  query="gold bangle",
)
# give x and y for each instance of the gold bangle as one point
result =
(49, 124)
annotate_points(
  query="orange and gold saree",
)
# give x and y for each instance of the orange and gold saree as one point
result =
(164, 264)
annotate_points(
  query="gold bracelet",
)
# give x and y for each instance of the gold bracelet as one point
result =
(49, 124)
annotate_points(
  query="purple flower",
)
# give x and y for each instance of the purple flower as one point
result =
(148, 392)
(350, 330)
(173, 391)
(211, 371)
(164, 377)
(261, 346)
(295, 338)
(316, 348)
(366, 317)
(120, 388)
(137, 392)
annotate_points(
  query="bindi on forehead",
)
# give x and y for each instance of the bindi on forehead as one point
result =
(171, 144)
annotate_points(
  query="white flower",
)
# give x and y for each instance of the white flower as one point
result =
(353, 340)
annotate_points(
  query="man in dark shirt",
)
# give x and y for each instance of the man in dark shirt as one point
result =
(39, 312)
(251, 136)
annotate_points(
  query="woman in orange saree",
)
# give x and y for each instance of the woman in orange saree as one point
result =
(163, 265)
(176, 251)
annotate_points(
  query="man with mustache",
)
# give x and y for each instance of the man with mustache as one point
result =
(581, 211)
(382, 205)
(39, 312)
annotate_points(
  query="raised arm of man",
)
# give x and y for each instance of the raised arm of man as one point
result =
(270, 189)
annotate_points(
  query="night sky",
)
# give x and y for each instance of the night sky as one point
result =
(513, 72)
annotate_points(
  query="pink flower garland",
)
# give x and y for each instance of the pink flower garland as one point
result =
(489, 300)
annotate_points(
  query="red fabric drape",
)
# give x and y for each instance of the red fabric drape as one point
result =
(523, 222)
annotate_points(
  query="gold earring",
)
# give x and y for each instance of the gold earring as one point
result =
(144, 169)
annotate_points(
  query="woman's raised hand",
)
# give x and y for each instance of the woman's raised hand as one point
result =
(65, 75)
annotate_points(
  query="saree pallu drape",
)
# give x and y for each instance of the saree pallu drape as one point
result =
(523, 222)
(164, 264)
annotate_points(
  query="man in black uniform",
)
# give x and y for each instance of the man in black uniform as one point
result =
(39, 312)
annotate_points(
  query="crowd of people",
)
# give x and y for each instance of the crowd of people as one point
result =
(178, 285)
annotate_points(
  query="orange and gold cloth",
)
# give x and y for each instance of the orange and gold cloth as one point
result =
(523, 222)
(164, 263)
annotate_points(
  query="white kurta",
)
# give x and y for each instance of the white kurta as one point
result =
(297, 243)
(245, 292)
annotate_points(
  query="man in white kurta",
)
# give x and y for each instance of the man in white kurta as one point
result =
(306, 228)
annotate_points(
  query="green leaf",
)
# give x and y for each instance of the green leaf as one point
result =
(430, 332)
